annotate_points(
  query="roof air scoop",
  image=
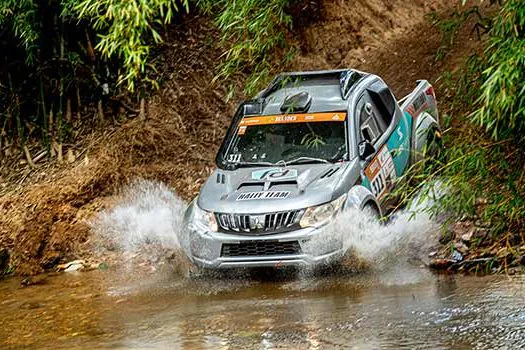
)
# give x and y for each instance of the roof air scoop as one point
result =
(296, 103)
(348, 81)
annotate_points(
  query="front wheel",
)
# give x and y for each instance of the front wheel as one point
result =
(372, 211)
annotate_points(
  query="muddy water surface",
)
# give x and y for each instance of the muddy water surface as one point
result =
(404, 308)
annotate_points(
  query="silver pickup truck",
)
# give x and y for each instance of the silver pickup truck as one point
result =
(309, 146)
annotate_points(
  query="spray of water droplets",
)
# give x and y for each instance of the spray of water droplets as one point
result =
(145, 222)
(148, 219)
(409, 235)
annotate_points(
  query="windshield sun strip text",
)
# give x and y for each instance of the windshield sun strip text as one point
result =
(294, 118)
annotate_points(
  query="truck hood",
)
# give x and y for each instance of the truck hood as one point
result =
(271, 189)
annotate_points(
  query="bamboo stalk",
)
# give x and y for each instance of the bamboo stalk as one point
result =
(100, 111)
(50, 122)
(68, 110)
(45, 135)
(79, 104)
(60, 116)
(89, 48)
(142, 113)
(56, 150)
(19, 129)
(28, 157)
(59, 153)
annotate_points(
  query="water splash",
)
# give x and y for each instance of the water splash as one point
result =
(144, 223)
(411, 233)
(396, 249)
(392, 251)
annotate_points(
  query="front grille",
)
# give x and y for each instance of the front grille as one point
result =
(260, 248)
(260, 223)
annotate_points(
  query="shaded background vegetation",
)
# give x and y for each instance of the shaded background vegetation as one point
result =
(67, 62)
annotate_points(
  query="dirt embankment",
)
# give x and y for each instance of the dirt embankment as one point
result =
(46, 222)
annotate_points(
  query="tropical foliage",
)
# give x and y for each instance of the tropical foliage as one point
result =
(126, 30)
(64, 59)
(481, 172)
(252, 30)
(61, 57)
(502, 102)
(487, 165)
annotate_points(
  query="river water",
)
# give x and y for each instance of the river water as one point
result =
(121, 310)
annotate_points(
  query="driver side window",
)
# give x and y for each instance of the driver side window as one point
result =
(371, 126)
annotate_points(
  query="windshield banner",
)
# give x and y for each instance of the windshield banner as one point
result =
(293, 118)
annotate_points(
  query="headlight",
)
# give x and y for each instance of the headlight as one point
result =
(320, 215)
(204, 218)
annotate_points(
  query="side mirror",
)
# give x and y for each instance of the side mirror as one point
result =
(365, 149)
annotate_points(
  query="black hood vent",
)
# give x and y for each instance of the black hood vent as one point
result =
(252, 186)
(221, 179)
(329, 173)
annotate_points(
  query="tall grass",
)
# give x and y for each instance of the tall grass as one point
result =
(482, 170)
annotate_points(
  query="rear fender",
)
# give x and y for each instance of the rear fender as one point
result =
(425, 124)
(359, 196)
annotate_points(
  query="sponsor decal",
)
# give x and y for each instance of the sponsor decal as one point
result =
(399, 143)
(381, 172)
(417, 106)
(242, 130)
(400, 134)
(263, 195)
(274, 174)
(291, 118)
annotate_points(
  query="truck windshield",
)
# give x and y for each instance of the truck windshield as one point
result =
(284, 139)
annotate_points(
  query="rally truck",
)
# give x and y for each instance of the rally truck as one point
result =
(308, 147)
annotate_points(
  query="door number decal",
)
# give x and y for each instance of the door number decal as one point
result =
(381, 172)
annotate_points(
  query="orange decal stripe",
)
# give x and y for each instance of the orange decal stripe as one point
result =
(375, 166)
(294, 118)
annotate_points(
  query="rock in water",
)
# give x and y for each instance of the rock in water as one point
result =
(441, 263)
(457, 256)
(34, 280)
(72, 266)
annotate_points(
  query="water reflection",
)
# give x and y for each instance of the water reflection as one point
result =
(105, 310)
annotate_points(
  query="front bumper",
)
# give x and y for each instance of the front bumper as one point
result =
(302, 247)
